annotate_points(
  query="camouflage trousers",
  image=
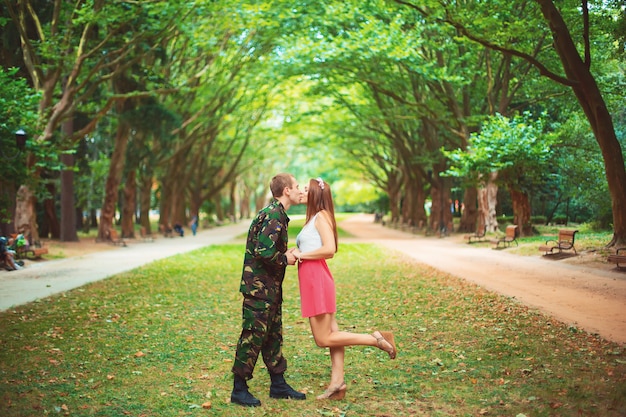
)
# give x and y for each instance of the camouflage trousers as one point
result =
(262, 332)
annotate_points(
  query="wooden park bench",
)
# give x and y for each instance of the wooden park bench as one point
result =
(115, 239)
(32, 252)
(510, 236)
(145, 236)
(618, 259)
(478, 236)
(565, 241)
(167, 231)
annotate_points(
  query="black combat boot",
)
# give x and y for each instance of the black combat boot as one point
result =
(241, 395)
(281, 390)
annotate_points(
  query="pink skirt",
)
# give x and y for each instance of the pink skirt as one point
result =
(317, 288)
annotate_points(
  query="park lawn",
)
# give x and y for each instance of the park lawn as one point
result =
(159, 341)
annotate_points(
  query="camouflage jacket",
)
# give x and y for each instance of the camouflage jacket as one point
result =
(264, 262)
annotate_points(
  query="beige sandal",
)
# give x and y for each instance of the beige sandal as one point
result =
(383, 338)
(336, 393)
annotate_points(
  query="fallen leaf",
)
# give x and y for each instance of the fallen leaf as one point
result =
(207, 405)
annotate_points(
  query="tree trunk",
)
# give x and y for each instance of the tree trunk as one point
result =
(53, 228)
(435, 209)
(25, 218)
(521, 212)
(440, 214)
(129, 206)
(145, 194)
(394, 188)
(413, 210)
(93, 218)
(176, 203)
(590, 98)
(394, 206)
(195, 198)
(165, 203)
(408, 202)
(244, 207)
(259, 201)
(487, 201)
(419, 216)
(469, 216)
(244, 203)
(219, 210)
(232, 205)
(81, 223)
(114, 179)
(68, 207)
(8, 199)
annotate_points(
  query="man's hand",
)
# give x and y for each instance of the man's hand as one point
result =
(291, 259)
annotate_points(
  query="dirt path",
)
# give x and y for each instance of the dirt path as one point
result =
(592, 298)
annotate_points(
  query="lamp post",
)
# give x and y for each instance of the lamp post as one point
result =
(20, 143)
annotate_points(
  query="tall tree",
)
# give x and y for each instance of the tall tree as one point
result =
(576, 72)
(17, 101)
(76, 48)
(512, 152)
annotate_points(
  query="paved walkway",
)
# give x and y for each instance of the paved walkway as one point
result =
(42, 279)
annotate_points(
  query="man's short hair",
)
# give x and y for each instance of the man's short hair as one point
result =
(280, 182)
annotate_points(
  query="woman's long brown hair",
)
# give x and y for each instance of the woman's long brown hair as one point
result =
(319, 199)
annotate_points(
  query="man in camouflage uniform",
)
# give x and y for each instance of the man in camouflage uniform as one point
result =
(264, 265)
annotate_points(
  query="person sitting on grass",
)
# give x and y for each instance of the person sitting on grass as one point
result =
(21, 243)
(7, 256)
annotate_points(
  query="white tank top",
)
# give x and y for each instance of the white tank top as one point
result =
(309, 238)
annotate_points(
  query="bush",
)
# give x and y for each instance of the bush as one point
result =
(559, 219)
(538, 219)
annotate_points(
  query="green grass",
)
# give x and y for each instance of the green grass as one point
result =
(159, 341)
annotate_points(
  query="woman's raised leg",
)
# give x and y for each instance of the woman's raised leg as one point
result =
(326, 335)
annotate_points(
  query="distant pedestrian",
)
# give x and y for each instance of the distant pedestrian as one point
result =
(193, 224)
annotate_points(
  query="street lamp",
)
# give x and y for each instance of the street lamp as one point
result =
(20, 143)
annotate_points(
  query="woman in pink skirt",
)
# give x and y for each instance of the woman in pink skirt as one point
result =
(317, 242)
